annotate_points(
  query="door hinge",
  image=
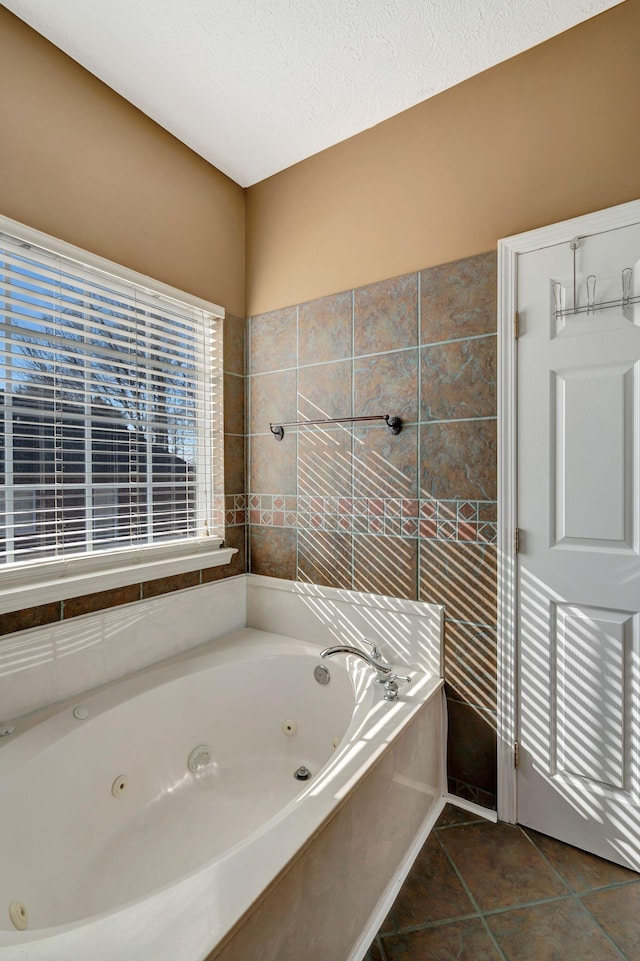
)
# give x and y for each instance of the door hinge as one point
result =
(516, 754)
(516, 540)
(516, 325)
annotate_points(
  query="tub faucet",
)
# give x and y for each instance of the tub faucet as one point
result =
(385, 676)
(375, 650)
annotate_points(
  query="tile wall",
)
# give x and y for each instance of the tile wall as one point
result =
(353, 506)
(235, 479)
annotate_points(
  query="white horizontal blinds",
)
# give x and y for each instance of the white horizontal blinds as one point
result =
(106, 410)
(214, 393)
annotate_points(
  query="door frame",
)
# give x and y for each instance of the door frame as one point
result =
(509, 249)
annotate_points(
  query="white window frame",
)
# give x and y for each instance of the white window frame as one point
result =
(29, 583)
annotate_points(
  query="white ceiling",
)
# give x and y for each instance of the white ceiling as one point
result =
(254, 86)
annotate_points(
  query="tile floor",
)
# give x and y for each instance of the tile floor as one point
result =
(480, 891)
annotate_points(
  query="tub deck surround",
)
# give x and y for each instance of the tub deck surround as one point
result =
(144, 874)
(331, 900)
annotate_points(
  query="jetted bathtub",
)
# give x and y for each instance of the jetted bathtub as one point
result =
(160, 816)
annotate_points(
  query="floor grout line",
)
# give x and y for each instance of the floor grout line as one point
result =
(525, 905)
(381, 950)
(605, 887)
(428, 925)
(608, 937)
(569, 895)
(576, 898)
(460, 824)
(493, 938)
(475, 904)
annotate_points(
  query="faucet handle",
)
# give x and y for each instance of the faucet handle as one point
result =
(391, 688)
(375, 650)
(399, 677)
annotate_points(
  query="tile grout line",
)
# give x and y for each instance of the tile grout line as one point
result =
(525, 905)
(574, 895)
(467, 889)
(607, 936)
(248, 443)
(459, 824)
(408, 423)
(352, 556)
(297, 528)
(378, 353)
(382, 535)
(432, 925)
(569, 896)
(607, 887)
(384, 497)
(247, 460)
(418, 430)
(383, 954)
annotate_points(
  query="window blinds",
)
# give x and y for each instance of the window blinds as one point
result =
(110, 396)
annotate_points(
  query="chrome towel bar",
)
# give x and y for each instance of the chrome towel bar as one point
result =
(393, 423)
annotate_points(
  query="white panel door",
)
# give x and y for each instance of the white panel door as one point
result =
(579, 560)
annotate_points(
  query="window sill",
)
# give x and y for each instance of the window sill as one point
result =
(41, 582)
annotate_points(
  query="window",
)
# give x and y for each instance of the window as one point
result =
(110, 410)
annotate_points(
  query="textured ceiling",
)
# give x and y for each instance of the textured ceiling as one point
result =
(254, 86)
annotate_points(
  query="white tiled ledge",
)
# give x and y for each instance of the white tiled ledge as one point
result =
(407, 632)
(43, 665)
(41, 582)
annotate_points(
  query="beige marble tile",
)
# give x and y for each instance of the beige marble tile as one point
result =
(580, 869)
(432, 891)
(386, 315)
(273, 340)
(324, 329)
(555, 931)
(272, 551)
(460, 941)
(459, 299)
(618, 911)
(500, 865)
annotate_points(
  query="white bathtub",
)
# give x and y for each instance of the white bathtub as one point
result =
(116, 849)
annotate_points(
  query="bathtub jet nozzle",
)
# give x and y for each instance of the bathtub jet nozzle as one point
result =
(18, 915)
(199, 759)
(302, 774)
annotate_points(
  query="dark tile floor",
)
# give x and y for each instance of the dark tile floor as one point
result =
(480, 891)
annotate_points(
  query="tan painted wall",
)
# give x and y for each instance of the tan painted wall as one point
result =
(545, 136)
(79, 162)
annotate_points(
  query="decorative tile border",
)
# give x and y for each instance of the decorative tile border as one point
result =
(443, 520)
(235, 510)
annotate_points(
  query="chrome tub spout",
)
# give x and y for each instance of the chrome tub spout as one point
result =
(386, 673)
(347, 649)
